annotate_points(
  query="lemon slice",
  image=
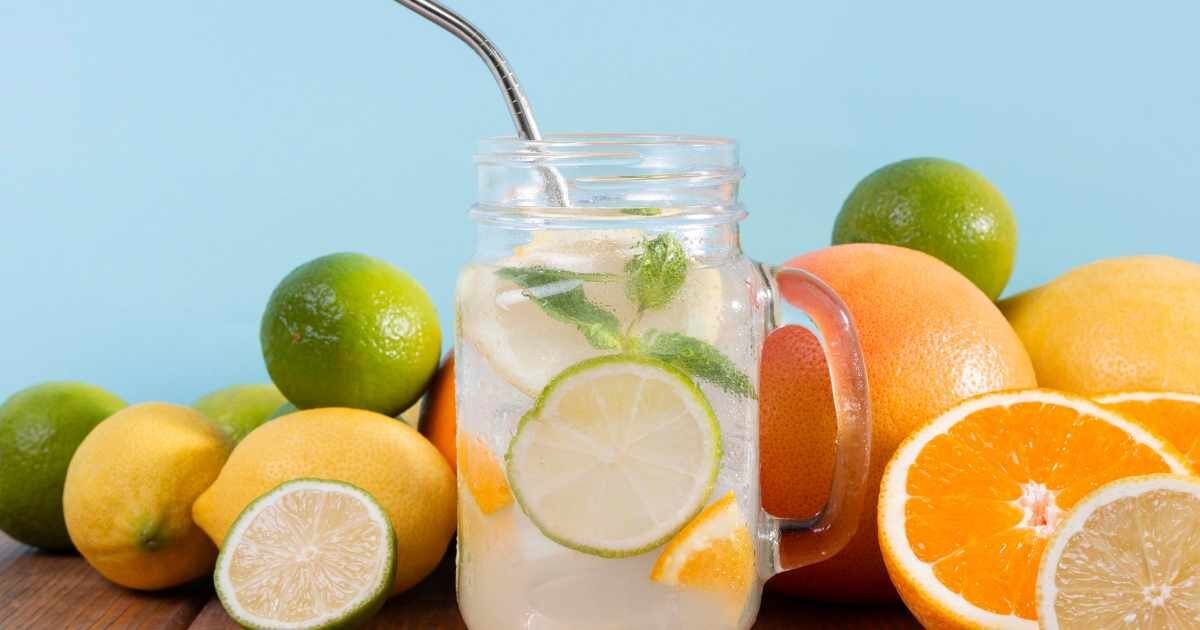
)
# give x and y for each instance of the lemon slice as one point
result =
(308, 554)
(616, 456)
(527, 347)
(713, 554)
(1127, 556)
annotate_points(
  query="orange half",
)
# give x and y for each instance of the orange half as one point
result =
(968, 502)
(1173, 415)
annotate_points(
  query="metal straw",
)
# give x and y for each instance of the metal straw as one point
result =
(514, 96)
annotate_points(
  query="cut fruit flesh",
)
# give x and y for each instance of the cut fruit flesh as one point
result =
(713, 553)
(1172, 415)
(527, 347)
(310, 553)
(617, 455)
(1127, 556)
(967, 502)
(483, 475)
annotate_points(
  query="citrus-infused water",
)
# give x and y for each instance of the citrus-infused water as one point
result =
(643, 444)
(606, 385)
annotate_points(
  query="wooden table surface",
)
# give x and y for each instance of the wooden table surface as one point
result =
(61, 592)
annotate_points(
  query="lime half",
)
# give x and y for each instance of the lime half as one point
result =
(309, 554)
(616, 456)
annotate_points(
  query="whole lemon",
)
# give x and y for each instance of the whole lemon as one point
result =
(382, 455)
(1114, 325)
(129, 492)
(348, 330)
(929, 338)
(938, 207)
(239, 409)
(40, 428)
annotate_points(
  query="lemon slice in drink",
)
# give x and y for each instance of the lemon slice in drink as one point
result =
(527, 347)
(308, 554)
(616, 456)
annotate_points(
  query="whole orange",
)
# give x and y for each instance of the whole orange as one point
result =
(930, 339)
(437, 413)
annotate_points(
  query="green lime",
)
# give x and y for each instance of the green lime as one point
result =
(938, 207)
(348, 330)
(239, 409)
(311, 553)
(40, 428)
(616, 456)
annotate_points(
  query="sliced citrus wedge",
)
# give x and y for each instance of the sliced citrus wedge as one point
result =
(968, 501)
(713, 553)
(527, 347)
(1173, 415)
(483, 475)
(309, 554)
(1127, 556)
(616, 456)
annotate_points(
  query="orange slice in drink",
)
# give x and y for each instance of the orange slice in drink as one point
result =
(713, 553)
(483, 474)
(968, 502)
(1174, 416)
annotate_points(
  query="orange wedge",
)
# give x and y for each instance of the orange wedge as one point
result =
(713, 553)
(1127, 556)
(483, 474)
(1172, 415)
(968, 502)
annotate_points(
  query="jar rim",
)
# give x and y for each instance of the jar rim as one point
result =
(587, 139)
(597, 148)
(681, 176)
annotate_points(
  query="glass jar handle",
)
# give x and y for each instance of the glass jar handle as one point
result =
(801, 542)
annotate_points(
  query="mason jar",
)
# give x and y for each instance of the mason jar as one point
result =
(608, 337)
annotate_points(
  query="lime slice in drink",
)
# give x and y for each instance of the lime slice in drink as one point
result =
(527, 347)
(616, 456)
(309, 554)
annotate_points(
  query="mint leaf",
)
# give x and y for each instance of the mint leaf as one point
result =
(599, 326)
(560, 295)
(537, 275)
(642, 212)
(700, 359)
(657, 273)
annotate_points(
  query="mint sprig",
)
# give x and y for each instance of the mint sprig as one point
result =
(653, 278)
(698, 358)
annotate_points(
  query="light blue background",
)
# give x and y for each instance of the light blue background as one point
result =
(163, 164)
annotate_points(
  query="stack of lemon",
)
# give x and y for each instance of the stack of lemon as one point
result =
(148, 493)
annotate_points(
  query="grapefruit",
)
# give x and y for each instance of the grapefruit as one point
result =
(930, 339)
